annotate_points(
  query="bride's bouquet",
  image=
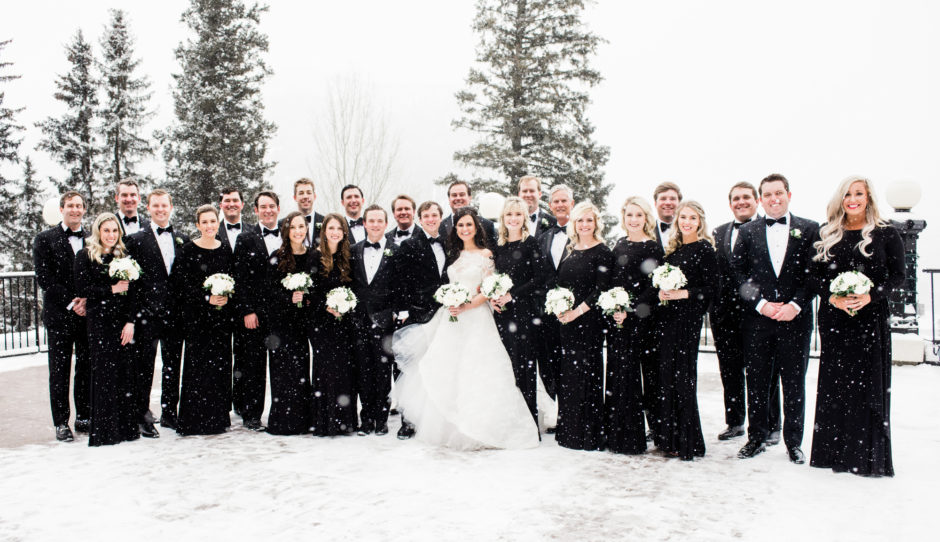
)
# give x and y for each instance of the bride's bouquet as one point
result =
(614, 300)
(851, 283)
(558, 300)
(297, 282)
(496, 285)
(124, 269)
(452, 295)
(668, 277)
(219, 284)
(341, 300)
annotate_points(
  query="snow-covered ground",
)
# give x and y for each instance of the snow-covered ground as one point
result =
(247, 486)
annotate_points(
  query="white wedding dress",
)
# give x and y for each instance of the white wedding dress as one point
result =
(457, 386)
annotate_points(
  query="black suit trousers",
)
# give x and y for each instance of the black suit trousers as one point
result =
(170, 343)
(249, 372)
(374, 373)
(63, 340)
(730, 347)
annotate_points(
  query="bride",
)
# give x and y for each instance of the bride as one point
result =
(457, 386)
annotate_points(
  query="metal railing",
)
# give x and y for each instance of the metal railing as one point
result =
(707, 340)
(934, 339)
(21, 329)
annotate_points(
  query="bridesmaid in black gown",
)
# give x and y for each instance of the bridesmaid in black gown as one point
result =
(517, 255)
(631, 369)
(852, 430)
(110, 330)
(289, 344)
(691, 249)
(333, 402)
(585, 270)
(206, 387)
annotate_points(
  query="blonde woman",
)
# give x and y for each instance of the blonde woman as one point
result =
(110, 331)
(852, 430)
(631, 365)
(585, 270)
(517, 254)
(690, 248)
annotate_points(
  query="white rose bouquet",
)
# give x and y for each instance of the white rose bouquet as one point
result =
(668, 277)
(341, 300)
(851, 283)
(124, 269)
(558, 300)
(452, 295)
(614, 300)
(297, 282)
(496, 285)
(219, 284)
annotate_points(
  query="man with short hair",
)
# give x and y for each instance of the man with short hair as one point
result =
(231, 204)
(155, 249)
(530, 190)
(666, 199)
(403, 209)
(127, 196)
(352, 199)
(726, 315)
(63, 314)
(305, 195)
(771, 263)
(458, 195)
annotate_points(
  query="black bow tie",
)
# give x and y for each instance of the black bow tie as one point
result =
(402, 233)
(772, 221)
(663, 227)
(558, 229)
(533, 216)
(308, 218)
(437, 240)
(736, 225)
(376, 246)
(80, 234)
(169, 229)
(233, 226)
(354, 223)
(129, 219)
(265, 231)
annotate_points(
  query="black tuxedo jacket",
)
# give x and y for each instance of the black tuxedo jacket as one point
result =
(316, 225)
(728, 303)
(157, 300)
(144, 224)
(420, 278)
(54, 262)
(252, 263)
(377, 299)
(754, 273)
(545, 221)
(545, 245)
(488, 227)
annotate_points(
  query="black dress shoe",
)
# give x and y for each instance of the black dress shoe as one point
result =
(253, 424)
(406, 432)
(382, 430)
(168, 420)
(82, 426)
(796, 455)
(733, 431)
(773, 438)
(649, 436)
(752, 448)
(63, 433)
(393, 412)
(147, 430)
(550, 430)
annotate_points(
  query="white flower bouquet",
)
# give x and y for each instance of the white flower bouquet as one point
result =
(297, 282)
(614, 300)
(851, 283)
(558, 300)
(341, 300)
(496, 285)
(124, 269)
(219, 284)
(668, 277)
(452, 295)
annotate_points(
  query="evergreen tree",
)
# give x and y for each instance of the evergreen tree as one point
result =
(126, 111)
(527, 98)
(16, 237)
(220, 136)
(70, 139)
(9, 155)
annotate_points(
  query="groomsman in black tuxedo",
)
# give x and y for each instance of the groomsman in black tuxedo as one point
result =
(727, 313)
(552, 243)
(353, 202)
(771, 262)
(155, 249)
(305, 195)
(63, 314)
(530, 190)
(375, 282)
(403, 209)
(458, 195)
(666, 198)
(127, 196)
(253, 251)
(231, 203)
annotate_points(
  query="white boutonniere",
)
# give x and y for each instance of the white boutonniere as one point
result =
(545, 222)
(179, 240)
(388, 253)
(317, 225)
(796, 233)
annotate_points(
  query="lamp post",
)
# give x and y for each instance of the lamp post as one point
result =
(903, 195)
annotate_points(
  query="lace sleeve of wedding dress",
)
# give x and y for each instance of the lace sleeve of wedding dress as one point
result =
(489, 267)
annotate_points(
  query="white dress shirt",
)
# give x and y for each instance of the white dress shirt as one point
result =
(358, 233)
(271, 242)
(77, 243)
(778, 235)
(663, 235)
(231, 233)
(165, 242)
(559, 241)
(131, 228)
(372, 257)
(533, 224)
(439, 255)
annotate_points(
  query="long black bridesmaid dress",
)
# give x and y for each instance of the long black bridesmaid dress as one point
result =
(679, 428)
(290, 352)
(521, 260)
(206, 387)
(852, 429)
(333, 405)
(631, 367)
(581, 373)
(113, 412)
